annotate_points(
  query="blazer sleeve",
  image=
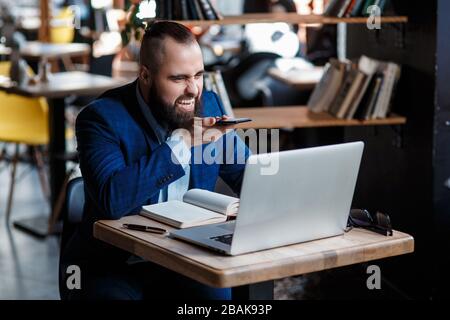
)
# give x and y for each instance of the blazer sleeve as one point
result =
(116, 188)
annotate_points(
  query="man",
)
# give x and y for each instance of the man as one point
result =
(136, 146)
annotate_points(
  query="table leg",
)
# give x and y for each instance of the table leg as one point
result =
(39, 226)
(57, 148)
(254, 291)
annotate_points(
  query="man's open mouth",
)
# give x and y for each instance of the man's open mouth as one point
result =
(186, 104)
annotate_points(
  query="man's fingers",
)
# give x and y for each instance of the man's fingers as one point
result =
(224, 117)
(209, 121)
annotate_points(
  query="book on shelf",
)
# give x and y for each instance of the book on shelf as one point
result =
(198, 207)
(187, 10)
(169, 9)
(164, 9)
(353, 91)
(160, 9)
(361, 90)
(357, 8)
(366, 7)
(381, 4)
(343, 9)
(345, 90)
(326, 90)
(335, 8)
(185, 14)
(367, 67)
(208, 12)
(391, 74)
(214, 82)
(222, 92)
(350, 8)
(207, 82)
(369, 99)
(353, 8)
(193, 11)
(198, 10)
(215, 10)
(177, 11)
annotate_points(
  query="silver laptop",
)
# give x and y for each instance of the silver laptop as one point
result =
(287, 197)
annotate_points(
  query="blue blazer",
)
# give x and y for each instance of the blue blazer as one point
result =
(124, 167)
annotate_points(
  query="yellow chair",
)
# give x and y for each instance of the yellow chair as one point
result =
(23, 121)
(62, 30)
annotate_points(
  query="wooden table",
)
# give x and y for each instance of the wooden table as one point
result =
(63, 84)
(4, 51)
(251, 275)
(51, 51)
(60, 85)
(302, 79)
(39, 50)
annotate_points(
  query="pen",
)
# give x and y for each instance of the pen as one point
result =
(139, 227)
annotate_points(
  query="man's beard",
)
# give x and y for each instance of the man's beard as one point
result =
(170, 114)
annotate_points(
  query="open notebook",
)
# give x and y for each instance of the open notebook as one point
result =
(199, 207)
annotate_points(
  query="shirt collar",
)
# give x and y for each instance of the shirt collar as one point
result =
(160, 130)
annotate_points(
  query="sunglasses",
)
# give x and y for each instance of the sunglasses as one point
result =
(361, 218)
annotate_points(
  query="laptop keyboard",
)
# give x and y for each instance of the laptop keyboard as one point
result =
(226, 238)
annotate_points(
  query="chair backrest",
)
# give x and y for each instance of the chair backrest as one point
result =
(74, 214)
(75, 200)
(62, 29)
(22, 119)
(241, 79)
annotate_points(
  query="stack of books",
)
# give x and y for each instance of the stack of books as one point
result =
(186, 10)
(214, 82)
(352, 8)
(356, 90)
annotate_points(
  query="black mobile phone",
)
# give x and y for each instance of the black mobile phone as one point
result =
(233, 121)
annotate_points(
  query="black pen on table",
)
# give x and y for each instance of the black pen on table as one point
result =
(140, 227)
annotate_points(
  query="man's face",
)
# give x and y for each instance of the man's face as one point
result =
(177, 86)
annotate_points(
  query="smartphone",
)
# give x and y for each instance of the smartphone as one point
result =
(233, 121)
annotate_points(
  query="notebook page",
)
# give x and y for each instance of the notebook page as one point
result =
(179, 212)
(213, 201)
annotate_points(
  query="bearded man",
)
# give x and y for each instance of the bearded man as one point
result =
(136, 145)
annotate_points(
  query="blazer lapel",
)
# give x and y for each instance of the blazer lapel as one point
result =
(131, 103)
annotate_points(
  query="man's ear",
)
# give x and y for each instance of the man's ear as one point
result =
(145, 75)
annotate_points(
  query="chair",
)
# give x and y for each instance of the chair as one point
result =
(23, 121)
(62, 29)
(244, 81)
(74, 204)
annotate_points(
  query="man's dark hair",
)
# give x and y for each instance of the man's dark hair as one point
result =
(152, 46)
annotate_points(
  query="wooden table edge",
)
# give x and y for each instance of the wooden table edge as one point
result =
(170, 260)
(242, 275)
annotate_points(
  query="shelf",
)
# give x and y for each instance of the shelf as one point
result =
(289, 18)
(301, 117)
